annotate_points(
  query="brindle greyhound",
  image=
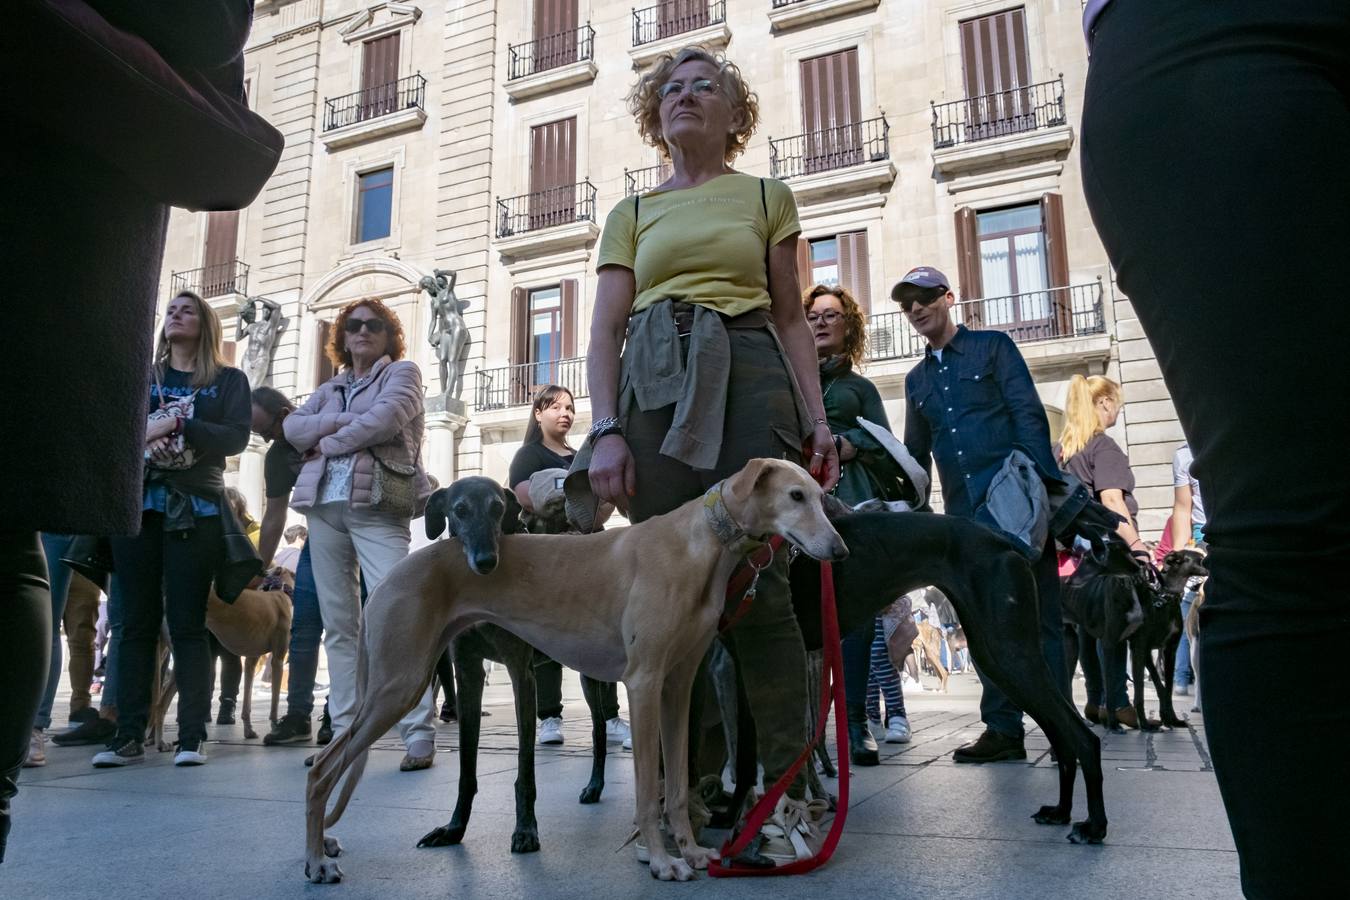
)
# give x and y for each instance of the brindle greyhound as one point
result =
(993, 591)
(478, 512)
(648, 622)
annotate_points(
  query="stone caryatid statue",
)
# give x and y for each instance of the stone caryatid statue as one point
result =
(260, 322)
(449, 336)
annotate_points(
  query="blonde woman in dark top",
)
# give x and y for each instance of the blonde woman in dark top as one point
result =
(1090, 454)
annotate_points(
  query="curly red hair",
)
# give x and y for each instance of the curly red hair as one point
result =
(337, 351)
(855, 332)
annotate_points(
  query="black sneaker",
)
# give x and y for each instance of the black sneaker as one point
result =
(226, 714)
(123, 751)
(862, 746)
(190, 753)
(991, 747)
(80, 716)
(98, 731)
(290, 730)
(325, 733)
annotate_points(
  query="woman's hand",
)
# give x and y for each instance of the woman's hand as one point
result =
(161, 449)
(613, 477)
(824, 462)
(159, 428)
(847, 451)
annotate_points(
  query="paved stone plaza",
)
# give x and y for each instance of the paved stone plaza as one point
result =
(918, 825)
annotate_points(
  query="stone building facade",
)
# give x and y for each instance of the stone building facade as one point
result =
(492, 138)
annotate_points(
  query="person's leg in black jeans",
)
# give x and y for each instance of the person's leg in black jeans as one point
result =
(231, 675)
(1214, 160)
(25, 642)
(548, 686)
(139, 571)
(190, 561)
(857, 659)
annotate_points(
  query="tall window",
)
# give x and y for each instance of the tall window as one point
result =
(831, 111)
(379, 77)
(553, 173)
(1012, 262)
(545, 332)
(996, 67)
(374, 204)
(839, 259)
(555, 33)
(323, 366)
(543, 326)
(219, 268)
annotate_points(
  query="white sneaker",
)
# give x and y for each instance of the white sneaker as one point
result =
(550, 730)
(897, 730)
(190, 755)
(616, 731)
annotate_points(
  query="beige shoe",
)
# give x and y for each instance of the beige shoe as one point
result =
(37, 750)
(422, 759)
(792, 832)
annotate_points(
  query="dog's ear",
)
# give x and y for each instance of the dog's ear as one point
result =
(437, 506)
(834, 507)
(511, 516)
(743, 483)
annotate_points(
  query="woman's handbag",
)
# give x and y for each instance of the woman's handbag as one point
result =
(181, 455)
(393, 486)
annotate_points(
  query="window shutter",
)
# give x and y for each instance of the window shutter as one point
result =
(1057, 261)
(569, 317)
(831, 103)
(968, 264)
(853, 268)
(553, 171)
(995, 62)
(222, 241)
(520, 327)
(804, 280)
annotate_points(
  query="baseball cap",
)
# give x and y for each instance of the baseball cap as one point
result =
(920, 277)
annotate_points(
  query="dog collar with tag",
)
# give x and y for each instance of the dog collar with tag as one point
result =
(728, 531)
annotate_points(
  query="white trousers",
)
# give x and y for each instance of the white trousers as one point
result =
(340, 539)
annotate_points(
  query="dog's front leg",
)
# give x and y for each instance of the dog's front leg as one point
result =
(594, 700)
(644, 699)
(250, 666)
(469, 676)
(520, 666)
(675, 748)
(1167, 710)
(1139, 659)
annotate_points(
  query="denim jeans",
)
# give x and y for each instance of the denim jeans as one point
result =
(54, 546)
(24, 639)
(1184, 676)
(306, 634)
(109, 700)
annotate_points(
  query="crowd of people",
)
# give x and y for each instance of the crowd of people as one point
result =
(698, 278)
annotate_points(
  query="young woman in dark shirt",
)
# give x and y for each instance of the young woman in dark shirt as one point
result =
(166, 571)
(546, 447)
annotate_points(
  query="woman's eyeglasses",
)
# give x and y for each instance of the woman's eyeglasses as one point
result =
(699, 87)
(374, 326)
(829, 317)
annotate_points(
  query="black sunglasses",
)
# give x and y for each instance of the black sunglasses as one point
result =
(908, 303)
(374, 326)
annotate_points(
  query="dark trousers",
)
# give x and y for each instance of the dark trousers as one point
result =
(166, 575)
(1214, 160)
(1103, 682)
(857, 655)
(445, 677)
(231, 671)
(306, 634)
(996, 710)
(548, 690)
(25, 642)
(767, 643)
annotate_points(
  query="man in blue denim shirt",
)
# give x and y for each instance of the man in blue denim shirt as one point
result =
(969, 403)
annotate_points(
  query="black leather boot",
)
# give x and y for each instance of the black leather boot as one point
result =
(862, 746)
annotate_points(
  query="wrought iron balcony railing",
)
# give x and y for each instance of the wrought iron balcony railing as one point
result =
(1028, 317)
(516, 385)
(673, 17)
(373, 102)
(550, 51)
(640, 181)
(999, 114)
(779, 4)
(830, 148)
(213, 281)
(545, 209)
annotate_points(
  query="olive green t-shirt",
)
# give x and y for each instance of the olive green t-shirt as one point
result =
(704, 244)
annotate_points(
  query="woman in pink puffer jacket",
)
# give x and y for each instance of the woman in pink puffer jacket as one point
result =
(373, 405)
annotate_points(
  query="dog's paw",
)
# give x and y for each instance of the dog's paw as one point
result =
(249, 733)
(1086, 833)
(671, 869)
(1174, 722)
(699, 857)
(331, 848)
(525, 840)
(591, 793)
(164, 746)
(1150, 725)
(1051, 815)
(323, 872)
(445, 836)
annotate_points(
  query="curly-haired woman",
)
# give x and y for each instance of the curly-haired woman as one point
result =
(698, 287)
(839, 329)
(369, 415)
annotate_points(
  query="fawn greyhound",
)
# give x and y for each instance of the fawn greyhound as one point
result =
(647, 620)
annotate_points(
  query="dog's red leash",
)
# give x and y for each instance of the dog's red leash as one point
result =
(831, 682)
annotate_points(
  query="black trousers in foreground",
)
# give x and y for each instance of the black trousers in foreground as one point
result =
(1214, 146)
(25, 645)
(166, 575)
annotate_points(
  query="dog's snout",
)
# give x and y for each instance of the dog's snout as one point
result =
(483, 563)
(838, 550)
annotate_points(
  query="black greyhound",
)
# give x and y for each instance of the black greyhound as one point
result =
(993, 590)
(1117, 603)
(479, 511)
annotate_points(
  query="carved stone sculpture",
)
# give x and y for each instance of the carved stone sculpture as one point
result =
(449, 336)
(260, 323)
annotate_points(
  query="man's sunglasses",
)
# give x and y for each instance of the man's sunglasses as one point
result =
(908, 303)
(374, 326)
